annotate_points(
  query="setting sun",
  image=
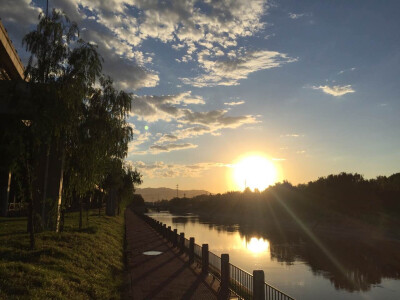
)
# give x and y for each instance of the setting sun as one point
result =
(254, 172)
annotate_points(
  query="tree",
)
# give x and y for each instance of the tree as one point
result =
(85, 124)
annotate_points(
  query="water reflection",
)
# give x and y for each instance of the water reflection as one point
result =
(256, 245)
(362, 263)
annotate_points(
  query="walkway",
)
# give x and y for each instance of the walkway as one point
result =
(164, 276)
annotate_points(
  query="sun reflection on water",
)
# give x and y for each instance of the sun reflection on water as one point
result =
(256, 245)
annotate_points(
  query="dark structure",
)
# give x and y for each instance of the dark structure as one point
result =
(14, 90)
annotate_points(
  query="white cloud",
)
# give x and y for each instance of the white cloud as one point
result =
(138, 139)
(229, 72)
(190, 123)
(294, 135)
(119, 33)
(347, 70)
(167, 138)
(181, 22)
(336, 90)
(170, 147)
(160, 169)
(234, 103)
(296, 16)
(216, 118)
(153, 108)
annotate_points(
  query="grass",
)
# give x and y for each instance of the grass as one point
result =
(85, 264)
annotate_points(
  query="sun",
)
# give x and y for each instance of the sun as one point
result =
(254, 172)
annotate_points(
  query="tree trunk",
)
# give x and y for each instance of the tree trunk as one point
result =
(46, 176)
(110, 203)
(80, 212)
(5, 181)
(31, 223)
(59, 200)
(87, 209)
(61, 223)
(31, 228)
(100, 202)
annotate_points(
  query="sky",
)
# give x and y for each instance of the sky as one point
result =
(311, 85)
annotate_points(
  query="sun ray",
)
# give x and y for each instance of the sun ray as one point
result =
(254, 172)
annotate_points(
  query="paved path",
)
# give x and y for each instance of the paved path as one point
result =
(165, 276)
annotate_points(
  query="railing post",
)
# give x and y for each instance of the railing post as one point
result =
(191, 250)
(225, 277)
(169, 233)
(204, 259)
(258, 285)
(182, 242)
(175, 237)
(165, 230)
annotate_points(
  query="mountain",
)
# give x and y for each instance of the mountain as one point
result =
(155, 194)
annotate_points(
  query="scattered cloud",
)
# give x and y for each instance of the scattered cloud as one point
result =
(294, 135)
(296, 16)
(234, 103)
(230, 71)
(189, 123)
(153, 108)
(171, 147)
(138, 139)
(347, 70)
(161, 169)
(336, 90)
(167, 138)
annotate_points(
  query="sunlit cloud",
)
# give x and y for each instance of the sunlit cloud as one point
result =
(161, 169)
(231, 71)
(234, 103)
(293, 135)
(170, 147)
(152, 108)
(336, 90)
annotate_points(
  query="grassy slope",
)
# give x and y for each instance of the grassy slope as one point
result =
(85, 264)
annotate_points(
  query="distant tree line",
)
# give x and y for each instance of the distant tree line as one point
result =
(74, 111)
(327, 199)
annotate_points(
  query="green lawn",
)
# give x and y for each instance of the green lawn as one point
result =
(75, 264)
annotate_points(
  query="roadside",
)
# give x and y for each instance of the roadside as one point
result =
(72, 265)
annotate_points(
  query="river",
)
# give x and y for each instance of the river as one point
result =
(328, 269)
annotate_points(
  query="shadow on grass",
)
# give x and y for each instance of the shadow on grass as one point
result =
(89, 230)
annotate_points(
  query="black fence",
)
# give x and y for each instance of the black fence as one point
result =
(232, 278)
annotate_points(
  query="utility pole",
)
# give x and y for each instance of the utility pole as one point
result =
(177, 186)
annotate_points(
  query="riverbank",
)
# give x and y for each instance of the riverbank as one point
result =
(76, 264)
(377, 225)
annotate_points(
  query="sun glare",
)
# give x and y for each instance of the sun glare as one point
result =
(254, 172)
(257, 245)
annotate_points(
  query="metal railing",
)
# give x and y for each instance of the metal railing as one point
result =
(187, 243)
(197, 251)
(272, 293)
(241, 282)
(214, 263)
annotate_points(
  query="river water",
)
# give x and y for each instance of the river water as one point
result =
(329, 269)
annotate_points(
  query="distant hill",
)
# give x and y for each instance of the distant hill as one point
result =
(155, 194)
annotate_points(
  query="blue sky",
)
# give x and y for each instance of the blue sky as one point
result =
(313, 85)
